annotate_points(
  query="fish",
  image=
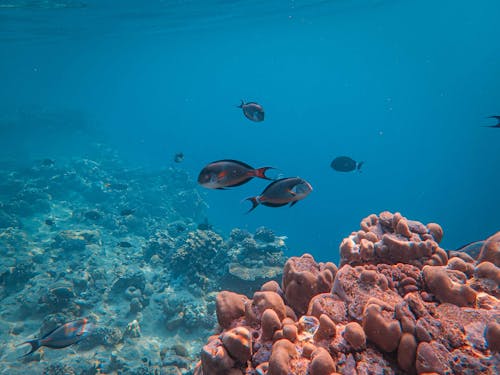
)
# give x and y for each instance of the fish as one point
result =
(179, 157)
(49, 222)
(48, 162)
(115, 186)
(252, 111)
(282, 192)
(127, 211)
(63, 336)
(345, 164)
(497, 125)
(205, 225)
(92, 215)
(472, 248)
(124, 244)
(229, 173)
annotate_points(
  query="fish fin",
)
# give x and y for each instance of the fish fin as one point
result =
(292, 192)
(221, 188)
(255, 203)
(241, 105)
(261, 173)
(35, 345)
(293, 203)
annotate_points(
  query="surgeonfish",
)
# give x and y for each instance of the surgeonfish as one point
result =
(345, 164)
(282, 192)
(229, 173)
(63, 336)
(252, 111)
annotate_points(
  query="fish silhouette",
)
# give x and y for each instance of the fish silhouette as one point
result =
(494, 126)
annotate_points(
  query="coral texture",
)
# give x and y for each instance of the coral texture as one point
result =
(399, 304)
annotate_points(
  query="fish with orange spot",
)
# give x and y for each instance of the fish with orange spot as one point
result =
(282, 192)
(222, 174)
(63, 336)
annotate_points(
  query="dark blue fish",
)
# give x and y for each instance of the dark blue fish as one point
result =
(252, 111)
(179, 157)
(494, 126)
(345, 164)
(282, 192)
(63, 336)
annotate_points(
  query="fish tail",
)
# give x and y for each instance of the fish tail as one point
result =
(255, 203)
(35, 345)
(241, 105)
(261, 173)
(360, 164)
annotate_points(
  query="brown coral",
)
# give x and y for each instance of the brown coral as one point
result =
(229, 306)
(391, 238)
(398, 305)
(303, 278)
(445, 289)
(238, 342)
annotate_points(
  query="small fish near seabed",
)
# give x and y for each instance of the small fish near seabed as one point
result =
(205, 225)
(282, 192)
(497, 125)
(63, 336)
(229, 173)
(179, 157)
(252, 111)
(127, 211)
(345, 164)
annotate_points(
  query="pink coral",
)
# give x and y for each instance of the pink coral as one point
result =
(398, 305)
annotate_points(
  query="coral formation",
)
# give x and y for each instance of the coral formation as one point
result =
(398, 304)
(123, 247)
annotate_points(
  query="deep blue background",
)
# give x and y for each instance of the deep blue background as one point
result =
(404, 86)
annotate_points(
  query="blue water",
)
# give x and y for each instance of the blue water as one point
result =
(404, 86)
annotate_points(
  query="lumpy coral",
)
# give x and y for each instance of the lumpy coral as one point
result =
(398, 304)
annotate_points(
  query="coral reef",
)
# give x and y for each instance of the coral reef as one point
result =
(122, 246)
(398, 304)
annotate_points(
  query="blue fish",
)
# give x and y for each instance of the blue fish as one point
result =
(63, 336)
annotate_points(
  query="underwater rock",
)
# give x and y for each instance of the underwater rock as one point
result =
(133, 278)
(161, 244)
(57, 298)
(75, 241)
(186, 312)
(397, 305)
(15, 277)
